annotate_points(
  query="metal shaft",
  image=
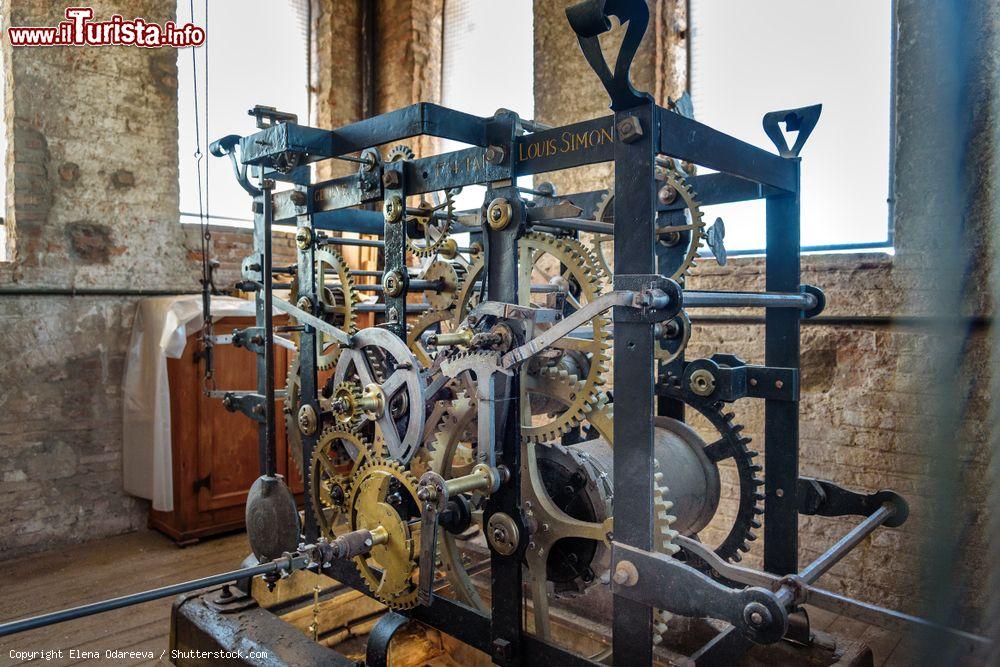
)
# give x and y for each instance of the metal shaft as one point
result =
(801, 301)
(844, 545)
(365, 243)
(270, 462)
(287, 563)
(380, 308)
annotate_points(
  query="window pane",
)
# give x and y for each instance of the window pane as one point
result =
(239, 77)
(749, 58)
(480, 79)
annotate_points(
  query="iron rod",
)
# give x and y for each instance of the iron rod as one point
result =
(802, 301)
(13, 627)
(844, 545)
(365, 243)
(270, 462)
(380, 308)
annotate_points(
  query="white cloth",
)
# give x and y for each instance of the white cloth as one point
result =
(160, 330)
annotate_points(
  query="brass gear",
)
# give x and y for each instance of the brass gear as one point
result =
(338, 298)
(578, 272)
(468, 293)
(399, 152)
(345, 405)
(435, 229)
(388, 569)
(696, 225)
(331, 470)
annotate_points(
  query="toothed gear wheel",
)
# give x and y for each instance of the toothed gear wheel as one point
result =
(415, 332)
(338, 300)
(467, 297)
(603, 244)
(384, 494)
(344, 403)
(432, 225)
(567, 258)
(290, 409)
(399, 152)
(733, 444)
(449, 275)
(330, 475)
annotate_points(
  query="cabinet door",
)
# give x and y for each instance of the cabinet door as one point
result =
(228, 442)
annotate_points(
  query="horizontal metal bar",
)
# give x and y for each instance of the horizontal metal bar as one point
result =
(90, 291)
(689, 140)
(696, 299)
(380, 308)
(711, 189)
(358, 221)
(587, 142)
(286, 563)
(365, 243)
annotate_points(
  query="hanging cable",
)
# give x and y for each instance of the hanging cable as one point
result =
(206, 236)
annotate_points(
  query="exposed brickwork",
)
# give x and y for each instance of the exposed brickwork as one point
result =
(92, 195)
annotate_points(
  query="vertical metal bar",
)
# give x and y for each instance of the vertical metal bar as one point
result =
(781, 418)
(263, 214)
(394, 249)
(635, 195)
(507, 592)
(308, 348)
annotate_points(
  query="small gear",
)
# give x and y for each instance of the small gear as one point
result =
(603, 244)
(449, 275)
(338, 300)
(330, 475)
(383, 495)
(399, 152)
(432, 223)
(345, 403)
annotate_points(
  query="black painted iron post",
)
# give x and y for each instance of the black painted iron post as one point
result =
(263, 215)
(507, 622)
(309, 342)
(635, 197)
(781, 418)
(394, 248)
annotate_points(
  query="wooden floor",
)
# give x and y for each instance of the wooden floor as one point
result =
(116, 566)
(99, 570)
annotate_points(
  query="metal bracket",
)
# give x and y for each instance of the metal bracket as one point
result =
(250, 404)
(664, 582)
(589, 19)
(725, 377)
(802, 120)
(645, 284)
(825, 498)
(251, 338)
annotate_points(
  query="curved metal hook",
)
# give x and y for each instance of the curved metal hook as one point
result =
(227, 146)
(589, 19)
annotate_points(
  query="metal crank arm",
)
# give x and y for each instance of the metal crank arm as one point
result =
(661, 581)
(302, 316)
(794, 591)
(822, 497)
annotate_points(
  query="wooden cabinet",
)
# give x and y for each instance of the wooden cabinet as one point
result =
(214, 451)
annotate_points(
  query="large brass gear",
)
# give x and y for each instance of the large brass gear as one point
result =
(602, 244)
(337, 298)
(416, 330)
(577, 275)
(449, 275)
(388, 569)
(330, 477)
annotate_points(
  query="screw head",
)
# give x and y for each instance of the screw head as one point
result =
(392, 208)
(498, 213)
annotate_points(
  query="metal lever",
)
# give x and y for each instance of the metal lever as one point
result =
(227, 146)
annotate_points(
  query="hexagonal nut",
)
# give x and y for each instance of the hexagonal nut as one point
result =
(629, 129)
(494, 154)
(391, 179)
(303, 238)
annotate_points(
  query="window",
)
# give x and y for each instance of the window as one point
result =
(257, 54)
(480, 80)
(749, 58)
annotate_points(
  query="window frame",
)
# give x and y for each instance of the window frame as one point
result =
(889, 244)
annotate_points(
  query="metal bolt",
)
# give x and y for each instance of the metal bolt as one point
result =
(780, 493)
(392, 209)
(391, 179)
(494, 154)
(498, 213)
(629, 129)
(753, 382)
(756, 618)
(667, 194)
(625, 574)
(778, 384)
(702, 382)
